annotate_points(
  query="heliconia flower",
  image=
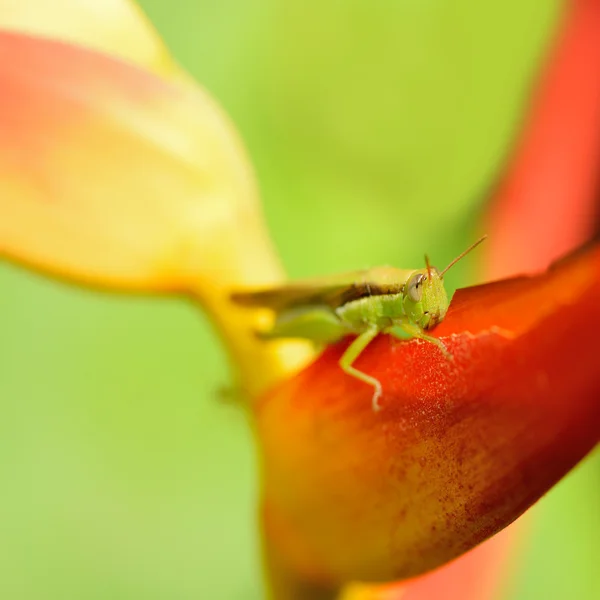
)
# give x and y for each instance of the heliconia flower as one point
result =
(117, 171)
(459, 450)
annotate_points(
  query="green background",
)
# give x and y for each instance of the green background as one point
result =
(376, 128)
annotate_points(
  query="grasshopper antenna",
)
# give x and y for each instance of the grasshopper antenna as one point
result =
(461, 255)
(428, 265)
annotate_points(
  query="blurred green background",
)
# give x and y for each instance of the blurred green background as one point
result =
(376, 127)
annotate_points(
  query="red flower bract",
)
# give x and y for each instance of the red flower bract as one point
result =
(460, 448)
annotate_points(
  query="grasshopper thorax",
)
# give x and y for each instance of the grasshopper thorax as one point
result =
(425, 300)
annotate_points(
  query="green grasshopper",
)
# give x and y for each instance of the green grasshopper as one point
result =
(362, 303)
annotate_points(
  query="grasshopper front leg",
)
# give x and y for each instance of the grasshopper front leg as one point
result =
(352, 353)
(415, 331)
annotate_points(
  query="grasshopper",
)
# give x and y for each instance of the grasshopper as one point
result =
(361, 303)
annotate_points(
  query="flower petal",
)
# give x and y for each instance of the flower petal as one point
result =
(459, 450)
(114, 177)
(113, 26)
(474, 576)
(111, 175)
(547, 203)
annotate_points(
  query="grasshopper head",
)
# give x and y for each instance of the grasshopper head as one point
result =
(425, 299)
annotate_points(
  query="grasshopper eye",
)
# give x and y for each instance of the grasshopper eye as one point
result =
(414, 288)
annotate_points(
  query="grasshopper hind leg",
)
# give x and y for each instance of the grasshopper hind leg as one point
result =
(352, 353)
(319, 325)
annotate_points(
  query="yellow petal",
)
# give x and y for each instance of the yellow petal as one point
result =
(116, 27)
(108, 173)
(114, 177)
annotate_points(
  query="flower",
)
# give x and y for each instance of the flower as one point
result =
(119, 172)
(460, 449)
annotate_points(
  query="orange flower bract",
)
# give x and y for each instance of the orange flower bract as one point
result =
(460, 448)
